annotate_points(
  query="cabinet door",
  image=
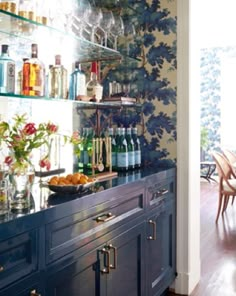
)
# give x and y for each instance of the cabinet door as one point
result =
(128, 276)
(160, 248)
(80, 278)
(31, 286)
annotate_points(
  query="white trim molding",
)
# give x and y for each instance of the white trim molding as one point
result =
(188, 157)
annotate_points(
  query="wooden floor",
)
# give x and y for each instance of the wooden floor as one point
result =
(218, 246)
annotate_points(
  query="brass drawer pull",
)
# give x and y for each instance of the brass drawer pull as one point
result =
(153, 236)
(1, 268)
(114, 249)
(162, 192)
(34, 293)
(105, 217)
(106, 254)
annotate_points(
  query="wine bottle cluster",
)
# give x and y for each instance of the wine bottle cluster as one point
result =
(120, 151)
(55, 82)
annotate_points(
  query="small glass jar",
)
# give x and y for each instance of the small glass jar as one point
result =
(4, 198)
(10, 6)
(27, 9)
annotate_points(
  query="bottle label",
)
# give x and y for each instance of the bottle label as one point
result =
(137, 157)
(114, 159)
(131, 157)
(122, 160)
(10, 77)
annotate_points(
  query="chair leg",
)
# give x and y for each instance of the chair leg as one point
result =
(233, 200)
(219, 206)
(226, 200)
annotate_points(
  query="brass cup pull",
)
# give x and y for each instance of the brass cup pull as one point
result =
(154, 228)
(34, 293)
(1, 268)
(105, 217)
(106, 254)
(110, 247)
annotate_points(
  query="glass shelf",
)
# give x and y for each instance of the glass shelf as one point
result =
(79, 104)
(16, 27)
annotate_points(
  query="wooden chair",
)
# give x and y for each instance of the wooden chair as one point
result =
(231, 157)
(227, 181)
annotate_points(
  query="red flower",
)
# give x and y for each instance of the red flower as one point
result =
(8, 160)
(45, 163)
(29, 129)
(52, 128)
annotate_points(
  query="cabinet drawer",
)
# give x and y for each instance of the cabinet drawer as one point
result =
(18, 257)
(158, 192)
(67, 234)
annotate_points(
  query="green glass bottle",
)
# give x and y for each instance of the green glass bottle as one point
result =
(137, 147)
(81, 149)
(122, 152)
(89, 150)
(131, 152)
(113, 148)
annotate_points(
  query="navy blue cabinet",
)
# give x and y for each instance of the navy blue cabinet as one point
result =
(120, 241)
(161, 235)
(114, 267)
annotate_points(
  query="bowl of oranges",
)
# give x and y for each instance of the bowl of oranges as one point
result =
(71, 183)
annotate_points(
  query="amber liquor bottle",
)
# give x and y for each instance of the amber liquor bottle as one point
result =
(33, 80)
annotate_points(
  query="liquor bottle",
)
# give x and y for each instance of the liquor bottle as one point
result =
(57, 80)
(122, 152)
(131, 152)
(113, 148)
(19, 87)
(7, 72)
(94, 88)
(77, 83)
(137, 148)
(33, 75)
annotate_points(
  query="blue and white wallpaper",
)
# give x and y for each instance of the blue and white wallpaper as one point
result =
(211, 64)
(152, 80)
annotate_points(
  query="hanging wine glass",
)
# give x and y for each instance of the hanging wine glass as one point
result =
(105, 25)
(94, 21)
(80, 17)
(129, 33)
(117, 29)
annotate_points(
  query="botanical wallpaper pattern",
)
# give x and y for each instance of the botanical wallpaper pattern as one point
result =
(152, 80)
(210, 91)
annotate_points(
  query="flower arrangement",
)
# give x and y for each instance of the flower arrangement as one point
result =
(23, 137)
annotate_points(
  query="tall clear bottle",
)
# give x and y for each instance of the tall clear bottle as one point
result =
(58, 80)
(94, 88)
(113, 148)
(137, 147)
(7, 72)
(77, 83)
(131, 152)
(122, 152)
(33, 79)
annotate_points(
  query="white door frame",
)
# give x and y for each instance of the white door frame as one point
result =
(188, 153)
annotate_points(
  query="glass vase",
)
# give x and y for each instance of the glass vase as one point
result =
(21, 180)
